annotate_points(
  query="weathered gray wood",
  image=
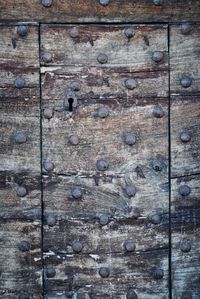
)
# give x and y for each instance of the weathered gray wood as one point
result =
(185, 118)
(92, 11)
(185, 226)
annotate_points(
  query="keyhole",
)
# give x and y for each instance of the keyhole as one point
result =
(70, 101)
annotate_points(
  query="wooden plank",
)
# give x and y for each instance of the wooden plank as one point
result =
(92, 11)
(185, 236)
(185, 149)
(131, 270)
(184, 60)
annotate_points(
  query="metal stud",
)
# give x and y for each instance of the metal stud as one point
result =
(157, 56)
(185, 246)
(75, 85)
(21, 191)
(104, 272)
(23, 295)
(23, 246)
(74, 32)
(184, 190)
(74, 140)
(102, 165)
(157, 273)
(186, 28)
(22, 30)
(129, 32)
(77, 246)
(158, 111)
(48, 165)
(47, 57)
(129, 245)
(157, 165)
(102, 112)
(46, 3)
(155, 218)
(130, 138)
(76, 193)
(102, 58)
(130, 190)
(48, 113)
(19, 83)
(103, 219)
(51, 220)
(186, 81)
(104, 2)
(131, 294)
(130, 84)
(81, 295)
(157, 2)
(185, 137)
(20, 138)
(50, 272)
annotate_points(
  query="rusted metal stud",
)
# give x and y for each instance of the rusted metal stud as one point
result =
(102, 165)
(130, 190)
(130, 84)
(104, 219)
(184, 190)
(186, 28)
(157, 165)
(22, 30)
(77, 246)
(185, 81)
(20, 83)
(102, 58)
(129, 32)
(155, 218)
(23, 246)
(46, 3)
(51, 220)
(75, 85)
(102, 112)
(104, 2)
(185, 246)
(48, 165)
(74, 140)
(185, 137)
(23, 295)
(130, 138)
(76, 192)
(131, 294)
(157, 273)
(20, 138)
(157, 56)
(48, 113)
(157, 2)
(74, 32)
(129, 245)
(70, 101)
(158, 111)
(47, 57)
(104, 272)
(50, 272)
(21, 191)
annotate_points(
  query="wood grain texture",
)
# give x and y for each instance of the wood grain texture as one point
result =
(185, 118)
(92, 11)
(185, 226)
(184, 60)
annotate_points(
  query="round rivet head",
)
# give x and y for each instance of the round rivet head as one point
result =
(21, 191)
(74, 140)
(104, 2)
(185, 246)
(129, 32)
(102, 165)
(155, 218)
(47, 57)
(77, 246)
(104, 272)
(130, 138)
(51, 220)
(157, 56)
(130, 84)
(129, 245)
(186, 28)
(48, 165)
(130, 190)
(131, 294)
(184, 190)
(157, 273)
(23, 246)
(157, 2)
(23, 295)
(103, 219)
(75, 85)
(20, 138)
(157, 165)
(48, 113)
(76, 193)
(158, 112)
(102, 112)
(22, 30)
(185, 137)
(50, 272)
(186, 81)
(102, 58)
(19, 83)
(46, 3)
(74, 32)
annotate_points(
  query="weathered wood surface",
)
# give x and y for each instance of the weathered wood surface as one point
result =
(185, 156)
(185, 226)
(92, 11)
(184, 60)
